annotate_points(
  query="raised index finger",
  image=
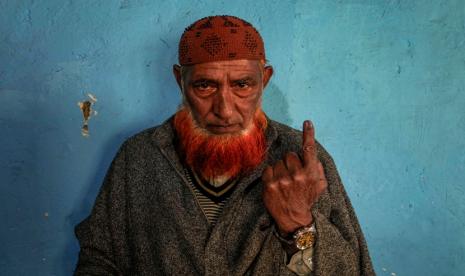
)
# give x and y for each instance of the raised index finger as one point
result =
(308, 144)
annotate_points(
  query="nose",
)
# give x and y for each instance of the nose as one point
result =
(223, 104)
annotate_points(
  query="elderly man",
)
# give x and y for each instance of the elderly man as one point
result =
(219, 188)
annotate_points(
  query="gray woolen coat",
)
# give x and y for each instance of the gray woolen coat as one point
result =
(146, 220)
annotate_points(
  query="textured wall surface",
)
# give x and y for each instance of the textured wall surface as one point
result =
(383, 81)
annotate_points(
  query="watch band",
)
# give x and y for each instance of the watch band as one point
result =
(287, 241)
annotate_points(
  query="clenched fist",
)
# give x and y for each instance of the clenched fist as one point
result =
(292, 185)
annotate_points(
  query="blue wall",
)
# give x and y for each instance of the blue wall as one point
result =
(383, 81)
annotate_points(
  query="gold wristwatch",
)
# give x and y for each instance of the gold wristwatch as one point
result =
(305, 237)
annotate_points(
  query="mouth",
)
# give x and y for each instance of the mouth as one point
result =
(224, 129)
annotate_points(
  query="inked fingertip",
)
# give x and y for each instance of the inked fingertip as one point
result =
(307, 125)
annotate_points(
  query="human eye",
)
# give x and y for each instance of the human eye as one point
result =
(244, 87)
(242, 84)
(201, 84)
(204, 87)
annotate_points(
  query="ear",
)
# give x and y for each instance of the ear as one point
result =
(177, 75)
(267, 73)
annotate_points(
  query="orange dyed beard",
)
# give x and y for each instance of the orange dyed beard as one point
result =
(220, 156)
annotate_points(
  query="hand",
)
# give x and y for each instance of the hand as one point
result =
(292, 185)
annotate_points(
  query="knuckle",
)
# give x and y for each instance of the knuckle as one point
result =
(309, 147)
(322, 186)
(299, 176)
(285, 182)
(271, 187)
(325, 185)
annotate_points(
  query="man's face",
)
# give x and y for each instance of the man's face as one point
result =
(223, 95)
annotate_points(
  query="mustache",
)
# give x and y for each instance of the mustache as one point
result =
(185, 107)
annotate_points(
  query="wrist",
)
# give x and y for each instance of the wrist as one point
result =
(302, 238)
(289, 229)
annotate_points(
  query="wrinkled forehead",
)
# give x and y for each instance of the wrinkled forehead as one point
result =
(228, 67)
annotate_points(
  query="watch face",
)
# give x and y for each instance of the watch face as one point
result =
(305, 240)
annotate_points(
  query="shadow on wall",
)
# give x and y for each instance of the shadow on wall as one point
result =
(275, 104)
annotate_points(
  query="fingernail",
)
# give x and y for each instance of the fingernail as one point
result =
(308, 124)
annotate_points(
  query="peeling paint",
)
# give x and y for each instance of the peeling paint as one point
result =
(87, 113)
